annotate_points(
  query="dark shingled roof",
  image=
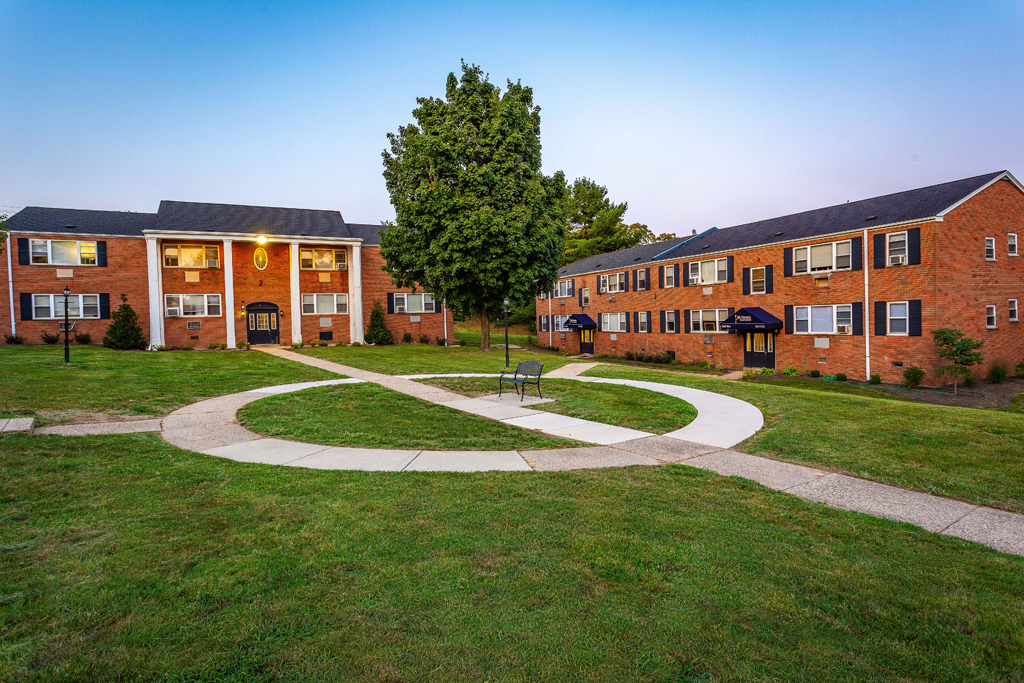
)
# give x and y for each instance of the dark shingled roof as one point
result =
(911, 205)
(85, 221)
(366, 231)
(197, 217)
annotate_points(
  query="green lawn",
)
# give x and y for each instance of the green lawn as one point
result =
(1016, 405)
(123, 558)
(134, 382)
(371, 416)
(497, 338)
(402, 359)
(621, 406)
(830, 387)
(967, 453)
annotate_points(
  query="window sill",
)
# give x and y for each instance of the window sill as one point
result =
(313, 315)
(188, 317)
(65, 265)
(190, 268)
(991, 328)
(831, 334)
(61, 319)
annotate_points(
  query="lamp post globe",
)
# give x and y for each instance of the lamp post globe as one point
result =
(67, 346)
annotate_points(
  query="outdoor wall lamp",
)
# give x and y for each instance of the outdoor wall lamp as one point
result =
(261, 239)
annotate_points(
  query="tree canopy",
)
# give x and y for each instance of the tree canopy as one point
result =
(596, 225)
(475, 219)
(960, 351)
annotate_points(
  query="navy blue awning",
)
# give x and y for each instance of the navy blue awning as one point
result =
(751, 319)
(580, 321)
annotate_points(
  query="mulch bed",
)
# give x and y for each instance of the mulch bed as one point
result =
(983, 395)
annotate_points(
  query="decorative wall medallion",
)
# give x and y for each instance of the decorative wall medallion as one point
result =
(259, 258)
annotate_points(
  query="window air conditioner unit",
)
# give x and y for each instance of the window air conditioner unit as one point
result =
(897, 260)
(399, 309)
(173, 313)
(843, 329)
(340, 266)
(694, 280)
(211, 264)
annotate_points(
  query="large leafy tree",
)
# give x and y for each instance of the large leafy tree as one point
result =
(596, 225)
(476, 220)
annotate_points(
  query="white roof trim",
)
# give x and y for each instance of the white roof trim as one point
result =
(1005, 175)
(247, 237)
(57, 235)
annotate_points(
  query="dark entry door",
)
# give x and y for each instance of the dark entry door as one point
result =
(586, 341)
(262, 323)
(759, 350)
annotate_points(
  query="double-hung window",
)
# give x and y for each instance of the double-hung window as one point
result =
(543, 323)
(990, 248)
(670, 321)
(414, 303)
(709, 272)
(322, 259)
(1011, 244)
(825, 319)
(616, 282)
(1013, 310)
(192, 305)
(52, 306)
(562, 289)
(324, 304)
(990, 317)
(63, 252)
(897, 246)
(191, 256)
(641, 279)
(897, 317)
(560, 322)
(820, 258)
(708, 320)
(585, 296)
(613, 322)
(757, 280)
(642, 323)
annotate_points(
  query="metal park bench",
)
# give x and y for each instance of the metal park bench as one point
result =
(527, 372)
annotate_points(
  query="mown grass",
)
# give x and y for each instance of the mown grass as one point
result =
(830, 387)
(1016, 405)
(497, 338)
(615, 405)
(123, 558)
(402, 359)
(135, 382)
(967, 453)
(370, 416)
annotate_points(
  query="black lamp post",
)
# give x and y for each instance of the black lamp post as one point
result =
(67, 346)
(506, 332)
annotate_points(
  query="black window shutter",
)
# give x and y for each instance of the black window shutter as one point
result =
(599, 328)
(731, 311)
(677, 322)
(636, 320)
(101, 253)
(26, 306)
(634, 280)
(650, 322)
(879, 248)
(858, 318)
(881, 320)
(104, 307)
(857, 253)
(391, 302)
(597, 283)
(627, 322)
(661, 279)
(729, 268)
(23, 255)
(769, 286)
(914, 318)
(789, 320)
(686, 321)
(547, 323)
(746, 281)
(787, 262)
(580, 297)
(663, 322)
(914, 246)
(686, 271)
(676, 267)
(572, 287)
(647, 280)
(625, 281)
(540, 323)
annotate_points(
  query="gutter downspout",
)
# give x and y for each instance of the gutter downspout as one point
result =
(867, 314)
(10, 283)
(444, 321)
(551, 339)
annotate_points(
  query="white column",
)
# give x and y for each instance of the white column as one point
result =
(10, 285)
(866, 316)
(295, 315)
(156, 297)
(355, 296)
(229, 294)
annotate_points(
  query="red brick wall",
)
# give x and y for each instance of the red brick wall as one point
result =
(309, 283)
(377, 285)
(125, 273)
(211, 281)
(271, 284)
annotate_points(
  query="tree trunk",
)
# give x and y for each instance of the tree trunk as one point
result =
(485, 330)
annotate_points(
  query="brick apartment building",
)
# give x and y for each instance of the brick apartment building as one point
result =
(207, 273)
(854, 288)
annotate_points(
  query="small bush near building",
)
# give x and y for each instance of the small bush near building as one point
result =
(356, 344)
(124, 332)
(441, 341)
(424, 339)
(999, 371)
(815, 373)
(970, 379)
(222, 346)
(377, 331)
(407, 338)
(14, 340)
(161, 348)
(1018, 369)
(840, 376)
(83, 338)
(721, 367)
(875, 378)
(791, 371)
(767, 372)
(240, 345)
(188, 347)
(912, 377)
(297, 345)
(213, 346)
(49, 337)
(749, 374)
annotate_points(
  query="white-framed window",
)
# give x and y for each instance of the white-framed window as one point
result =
(641, 279)
(192, 305)
(63, 252)
(191, 256)
(898, 317)
(312, 258)
(990, 248)
(642, 323)
(823, 258)
(585, 296)
(414, 303)
(1013, 310)
(670, 276)
(757, 280)
(615, 282)
(560, 323)
(562, 289)
(990, 317)
(1011, 244)
(80, 306)
(708, 320)
(670, 321)
(709, 272)
(324, 304)
(613, 322)
(837, 319)
(896, 246)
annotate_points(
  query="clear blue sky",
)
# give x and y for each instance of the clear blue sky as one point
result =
(697, 114)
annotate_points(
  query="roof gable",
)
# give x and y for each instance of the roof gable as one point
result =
(234, 218)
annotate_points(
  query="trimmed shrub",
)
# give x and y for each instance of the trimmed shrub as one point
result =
(441, 341)
(49, 337)
(815, 373)
(161, 348)
(14, 339)
(83, 338)
(749, 374)
(999, 371)
(912, 377)
(240, 345)
(424, 339)
(222, 346)
(630, 355)
(377, 331)
(298, 345)
(791, 371)
(840, 376)
(356, 344)
(970, 380)
(407, 338)
(124, 332)
(767, 372)
(875, 378)
(213, 346)
(1018, 369)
